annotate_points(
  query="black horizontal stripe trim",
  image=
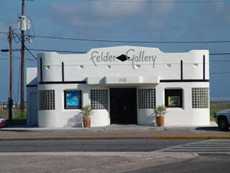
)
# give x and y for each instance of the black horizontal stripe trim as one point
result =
(34, 85)
(62, 82)
(84, 82)
(184, 80)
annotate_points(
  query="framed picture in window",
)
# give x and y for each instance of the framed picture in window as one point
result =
(73, 99)
(174, 98)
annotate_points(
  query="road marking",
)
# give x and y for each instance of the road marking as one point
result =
(207, 146)
(143, 155)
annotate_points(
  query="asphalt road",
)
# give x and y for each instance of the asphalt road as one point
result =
(85, 162)
(125, 145)
(203, 163)
(58, 156)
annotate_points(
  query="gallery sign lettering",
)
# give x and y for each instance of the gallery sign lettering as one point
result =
(132, 55)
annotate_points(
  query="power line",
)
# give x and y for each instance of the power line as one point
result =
(45, 50)
(213, 74)
(225, 53)
(220, 73)
(53, 37)
(28, 59)
(75, 51)
(165, 1)
(26, 48)
(6, 58)
(129, 41)
(31, 53)
(3, 32)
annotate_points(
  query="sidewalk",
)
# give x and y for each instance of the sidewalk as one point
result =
(114, 132)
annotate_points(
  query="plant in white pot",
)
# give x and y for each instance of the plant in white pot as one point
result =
(86, 111)
(159, 114)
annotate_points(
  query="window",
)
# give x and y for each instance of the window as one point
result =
(72, 99)
(200, 97)
(146, 98)
(46, 100)
(174, 98)
(99, 98)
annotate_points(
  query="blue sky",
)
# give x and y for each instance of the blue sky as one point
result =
(150, 20)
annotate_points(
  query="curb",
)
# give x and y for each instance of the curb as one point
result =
(117, 138)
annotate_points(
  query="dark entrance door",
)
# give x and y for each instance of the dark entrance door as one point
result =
(123, 107)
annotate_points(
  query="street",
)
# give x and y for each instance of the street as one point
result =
(119, 145)
(202, 163)
(123, 155)
(85, 162)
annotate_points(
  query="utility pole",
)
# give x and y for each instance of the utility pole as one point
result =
(10, 98)
(22, 63)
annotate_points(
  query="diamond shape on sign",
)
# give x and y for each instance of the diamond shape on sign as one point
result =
(123, 57)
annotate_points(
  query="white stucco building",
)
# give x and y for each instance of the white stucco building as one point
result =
(122, 84)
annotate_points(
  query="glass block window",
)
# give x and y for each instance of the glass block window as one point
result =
(146, 98)
(174, 98)
(73, 99)
(200, 97)
(99, 98)
(46, 99)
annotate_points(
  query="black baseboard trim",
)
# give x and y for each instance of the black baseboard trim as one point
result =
(184, 80)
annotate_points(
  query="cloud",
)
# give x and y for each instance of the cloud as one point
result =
(219, 6)
(65, 8)
(111, 8)
(92, 12)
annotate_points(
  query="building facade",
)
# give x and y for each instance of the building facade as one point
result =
(122, 84)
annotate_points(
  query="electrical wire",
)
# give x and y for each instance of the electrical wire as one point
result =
(128, 41)
(35, 58)
(52, 37)
(165, 1)
(80, 52)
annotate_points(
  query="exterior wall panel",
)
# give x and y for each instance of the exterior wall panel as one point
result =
(143, 68)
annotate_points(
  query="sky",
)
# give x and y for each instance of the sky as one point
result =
(144, 20)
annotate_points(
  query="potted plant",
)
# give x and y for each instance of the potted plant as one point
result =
(160, 112)
(86, 111)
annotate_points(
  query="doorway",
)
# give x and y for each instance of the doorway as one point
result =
(123, 106)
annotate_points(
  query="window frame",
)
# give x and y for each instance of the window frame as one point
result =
(180, 94)
(66, 107)
(46, 100)
(198, 95)
(95, 93)
(144, 100)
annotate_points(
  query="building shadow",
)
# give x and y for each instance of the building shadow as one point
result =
(212, 128)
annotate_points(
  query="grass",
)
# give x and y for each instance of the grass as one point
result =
(17, 115)
(19, 118)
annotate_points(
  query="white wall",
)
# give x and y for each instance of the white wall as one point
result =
(186, 116)
(32, 109)
(80, 67)
(61, 117)
(31, 95)
(77, 67)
